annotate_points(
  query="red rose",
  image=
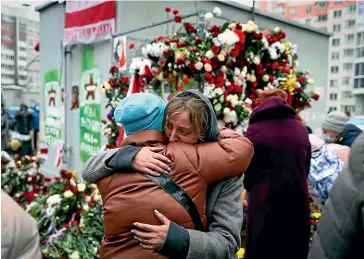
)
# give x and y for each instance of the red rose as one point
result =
(191, 67)
(214, 62)
(175, 40)
(241, 36)
(198, 40)
(254, 84)
(166, 42)
(282, 34)
(231, 88)
(131, 46)
(286, 70)
(180, 88)
(225, 94)
(178, 19)
(238, 26)
(229, 105)
(219, 82)
(297, 117)
(215, 49)
(259, 69)
(215, 30)
(238, 89)
(206, 60)
(175, 12)
(113, 70)
(298, 89)
(235, 52)
(193, 50)
(166, 53)
(167, 9)
(229, 64)
(185, 79)
(180, 61)
(209, 78)
(257, 36)
(275, 65)
(165, 74)
(316, 97)
(271, 78)
(300, 80)
(189, 27)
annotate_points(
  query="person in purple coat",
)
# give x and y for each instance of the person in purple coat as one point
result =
(278, 216)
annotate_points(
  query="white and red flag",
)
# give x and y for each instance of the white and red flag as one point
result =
(89, 21)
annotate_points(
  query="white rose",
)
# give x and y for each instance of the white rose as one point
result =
(97, 197)
(277, 29)
(265, 43)
(236, 71)
(72, 182)
(75, 255)
(310, 81)
(226, 110)
(218, 107)
(227, 83)
(81, 187)
(68, 194)
(88, 198)
(232, 26)
(208, 67)
(208, 17)
(242, 75)
(221, 57)
(256, 61)
(228, 37)
(86, 207)
(248, 101)
(252, 78)
(239, 82)
(209, 54)
(29, 179)
(218, 91)
(215, 101)
(265, 78)
(223, 69)
(217, 11)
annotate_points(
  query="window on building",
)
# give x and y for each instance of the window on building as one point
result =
(334, 83)
(346, 80)
(336, 28)
(359, 69)
(360, 38)
(22, 49)
(347, 108)
(335, 55)
(346, 95)
(349, 23)
(22, 58)
(308, 21)
(360, 52)
(334, 69)
(337, 13)
(359, 82)
(347, 66)
(321, 4)
(349, 38)
(348, 52)
(338, 2)
(333, 97)
(332, 108)
(335, 42)
(351, 9)
(308, 9)
(293, 10)
(6, 46)
(322, 17)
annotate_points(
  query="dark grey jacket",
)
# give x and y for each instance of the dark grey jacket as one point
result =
(340, 233)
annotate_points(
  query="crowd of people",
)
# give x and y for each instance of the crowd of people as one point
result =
(174, 187)
(20, 133)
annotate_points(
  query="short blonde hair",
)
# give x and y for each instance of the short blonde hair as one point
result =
(197, 109)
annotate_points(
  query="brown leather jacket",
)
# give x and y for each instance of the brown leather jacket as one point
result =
(131, 197)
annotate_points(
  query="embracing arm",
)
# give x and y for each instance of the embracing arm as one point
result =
(227, 157)
(222, 239)
(108, 162)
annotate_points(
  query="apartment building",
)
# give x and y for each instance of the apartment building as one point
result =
(344, 19)
(19, 32)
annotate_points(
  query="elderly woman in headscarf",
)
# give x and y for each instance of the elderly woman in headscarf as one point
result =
(278, 217)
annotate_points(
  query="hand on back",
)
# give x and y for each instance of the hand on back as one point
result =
(148, 161)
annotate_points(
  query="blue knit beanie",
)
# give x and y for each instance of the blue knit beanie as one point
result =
(141, 111)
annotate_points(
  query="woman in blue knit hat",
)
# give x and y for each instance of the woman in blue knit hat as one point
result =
(188, 118)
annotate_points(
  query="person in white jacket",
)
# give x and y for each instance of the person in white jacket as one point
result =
(19, 233)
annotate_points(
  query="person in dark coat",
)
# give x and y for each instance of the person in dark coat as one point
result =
(337, 130)
(35, 126)
(23, 126)
(340, 231)
(278, 217)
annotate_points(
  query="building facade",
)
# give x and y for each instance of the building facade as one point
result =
(19, 60)
(346, 48)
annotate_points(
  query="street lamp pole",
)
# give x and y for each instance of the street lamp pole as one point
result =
(253, 11)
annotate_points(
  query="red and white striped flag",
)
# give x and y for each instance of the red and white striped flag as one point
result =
(58, 160)
(89, 21)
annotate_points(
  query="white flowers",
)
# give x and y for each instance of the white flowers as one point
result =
(228, 37)
(221, 57)
(217, 107)
(208, 67)
(217, 11)
(230, 116)
(250, 27)
(68, 194)
(277, 29)
(265, 78)
(256, 60)
(75, 255)
(207, 90)
(265, 43)
(199, 65)
(234, 99)
(54, 200)
(208, 17)
(209, 54)
(217, 91)
(310, 81)
(272, 53)
(154, 49)
(81, 187)
(138, 65)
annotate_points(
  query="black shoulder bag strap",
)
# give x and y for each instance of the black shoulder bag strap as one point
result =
(173, 189)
